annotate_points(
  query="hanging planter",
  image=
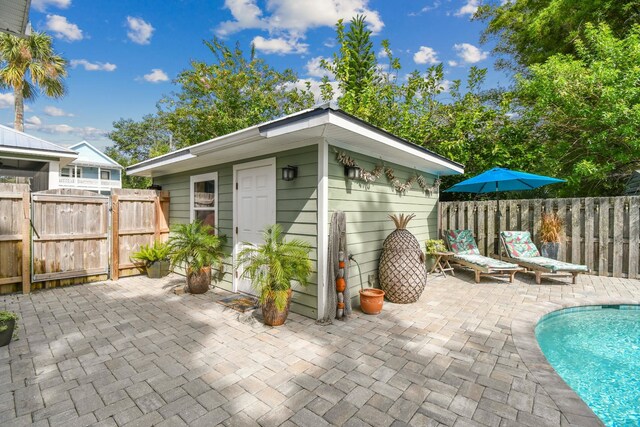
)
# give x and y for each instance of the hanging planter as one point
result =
(402, 271)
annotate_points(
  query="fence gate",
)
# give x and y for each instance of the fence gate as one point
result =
(14, 238)
(70, 234)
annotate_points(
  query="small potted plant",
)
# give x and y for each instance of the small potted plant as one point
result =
(272, 267)
(432, 247)
(550, 234)
(155, 259)
(196, 247)
(8, 327)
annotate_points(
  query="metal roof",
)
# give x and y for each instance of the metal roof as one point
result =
(14, 15)
(13, 139)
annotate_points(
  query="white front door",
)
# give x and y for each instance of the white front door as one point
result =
(255, 203)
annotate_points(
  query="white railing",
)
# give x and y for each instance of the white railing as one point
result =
(70, 182)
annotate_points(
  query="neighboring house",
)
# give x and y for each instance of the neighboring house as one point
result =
(235, 182)
(27, 159)
(92, 170)
(633, 185)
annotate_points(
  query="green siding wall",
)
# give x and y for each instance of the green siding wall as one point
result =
(296, 209)
(367, 209)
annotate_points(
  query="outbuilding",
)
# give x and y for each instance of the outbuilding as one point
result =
(296, 171)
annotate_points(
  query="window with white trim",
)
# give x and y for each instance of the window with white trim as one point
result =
(105, 174)
(71, 172)
(204, 198)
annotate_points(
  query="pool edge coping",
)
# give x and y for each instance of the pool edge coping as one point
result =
(572, 407)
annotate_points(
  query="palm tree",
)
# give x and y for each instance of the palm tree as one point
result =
(27, 64)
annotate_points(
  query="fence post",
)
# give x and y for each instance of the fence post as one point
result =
(115, 237)
(26, 242)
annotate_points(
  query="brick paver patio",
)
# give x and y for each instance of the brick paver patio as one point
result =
(131, 353)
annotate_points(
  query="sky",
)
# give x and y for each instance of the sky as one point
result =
(124, 55)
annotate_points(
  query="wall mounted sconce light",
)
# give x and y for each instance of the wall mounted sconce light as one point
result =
(289, 173)
(352, 172)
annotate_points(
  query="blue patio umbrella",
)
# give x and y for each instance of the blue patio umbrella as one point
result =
(502, 179)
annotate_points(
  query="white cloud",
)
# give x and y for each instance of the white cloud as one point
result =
(41, 5)
(33, 120)
(63, 29)
(156, 76)
(314, 87)
(435, 5)
(52, 111)
(140, 31)
(6, 100)
(279, 45)
(93, 66)
(289, 20)
(469, 8)
(86, 132)
(445, 85)
(452, 63)
(314, 69)
(425, 55)
(469, 53)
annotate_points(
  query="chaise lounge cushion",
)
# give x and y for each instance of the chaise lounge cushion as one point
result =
(553, 265)
(518, 244)
(461, 242)
(483, 261)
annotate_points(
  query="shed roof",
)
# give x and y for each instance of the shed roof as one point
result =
(326, 121)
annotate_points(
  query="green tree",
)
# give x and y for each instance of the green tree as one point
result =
(138, 141)
(354, 65)
(232, 93)
(528, 32)
(29, 65)
(584, 110)
(213, 99)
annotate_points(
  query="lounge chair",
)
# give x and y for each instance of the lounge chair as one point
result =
(466, 254)
(520, 249)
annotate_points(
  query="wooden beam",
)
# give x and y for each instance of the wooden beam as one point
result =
(158, 215)
(70, 237)
(9, 280)
(59, 275)
(26, 242)
(11, 237)
(115, 237)
(137, 231)
(61, 198)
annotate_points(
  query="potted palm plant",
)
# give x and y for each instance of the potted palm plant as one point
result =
(155, 258)
(272, 267)
(432, 247)
(550, 234)
(8, 326)
(196, 247)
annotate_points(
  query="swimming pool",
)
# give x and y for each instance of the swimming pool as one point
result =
(596, 351)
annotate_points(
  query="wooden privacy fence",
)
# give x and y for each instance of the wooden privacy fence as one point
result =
(15, 246)
(67, 236)
(70, 235)
(139, 217)
(602, 233)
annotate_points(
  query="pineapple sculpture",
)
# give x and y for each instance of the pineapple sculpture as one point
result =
(402, 272)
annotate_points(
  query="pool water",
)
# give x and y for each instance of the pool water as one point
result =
(596, 351)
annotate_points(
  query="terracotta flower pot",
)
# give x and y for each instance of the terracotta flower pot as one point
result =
(270, 313)
(199, 281)
(371, 300)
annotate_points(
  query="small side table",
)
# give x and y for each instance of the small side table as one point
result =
(442, 264)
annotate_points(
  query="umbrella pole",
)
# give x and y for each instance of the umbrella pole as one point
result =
(497, 248)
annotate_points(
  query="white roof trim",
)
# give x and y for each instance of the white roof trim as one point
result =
(345, 123)
(97, 151)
